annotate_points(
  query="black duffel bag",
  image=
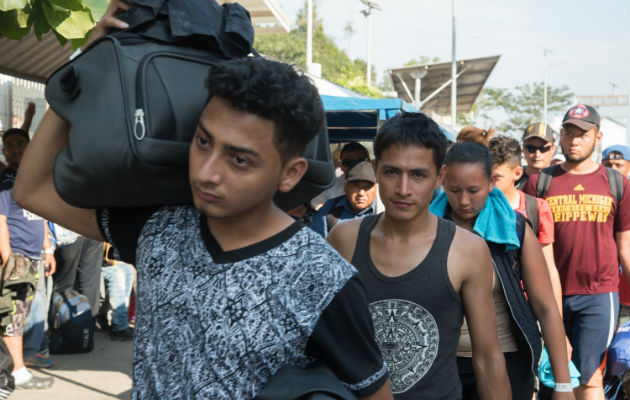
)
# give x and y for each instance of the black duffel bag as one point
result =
(133, 99)
(132, 105)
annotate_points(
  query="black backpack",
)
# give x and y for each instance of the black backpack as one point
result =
(531, 207)
(615, 180)
(71, 323)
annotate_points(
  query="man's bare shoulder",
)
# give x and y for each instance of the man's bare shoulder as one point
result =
(343, 237)
(467, 246)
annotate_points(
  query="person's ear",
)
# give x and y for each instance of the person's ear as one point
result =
(293, 170)
(518, 172)
(598, 136)
(441, 173)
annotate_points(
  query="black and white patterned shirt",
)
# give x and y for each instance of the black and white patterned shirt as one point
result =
(214, 325)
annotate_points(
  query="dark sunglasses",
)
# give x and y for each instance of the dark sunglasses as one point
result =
(351, 163)
(532, 149)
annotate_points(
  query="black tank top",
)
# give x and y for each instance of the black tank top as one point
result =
(417, 317)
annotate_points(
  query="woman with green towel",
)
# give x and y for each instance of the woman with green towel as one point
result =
(521, 286)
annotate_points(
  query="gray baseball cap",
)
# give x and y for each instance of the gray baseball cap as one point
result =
(540, 130)
(363, 171)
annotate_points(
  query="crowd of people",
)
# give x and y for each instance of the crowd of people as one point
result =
(433, 270)
(570, 236)
(40, 258)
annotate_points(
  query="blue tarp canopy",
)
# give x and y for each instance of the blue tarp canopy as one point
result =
(355, 118)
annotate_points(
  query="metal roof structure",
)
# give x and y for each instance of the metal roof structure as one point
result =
(428, 87)
(36, 60)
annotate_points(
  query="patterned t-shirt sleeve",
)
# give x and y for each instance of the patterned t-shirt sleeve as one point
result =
(343, 339)
(121, 227)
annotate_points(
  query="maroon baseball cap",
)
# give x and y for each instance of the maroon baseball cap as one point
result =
(583, 116)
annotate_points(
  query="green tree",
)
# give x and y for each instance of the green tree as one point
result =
(68, 19)
(423, 60)
(336, 65)
(510, 111)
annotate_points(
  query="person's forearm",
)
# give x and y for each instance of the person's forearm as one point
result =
(46, 243)
(28, 117)
(384, 393)
(555, 341)
(5, 245)
(554, 276)
(36, 167)
(623, 252)
(492, 379)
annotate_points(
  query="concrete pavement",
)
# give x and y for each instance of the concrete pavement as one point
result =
(104, 373)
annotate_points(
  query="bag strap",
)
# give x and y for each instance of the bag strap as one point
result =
(531, 206)
(544, 181)
(521, 221)
(615, 180)
(334, 214)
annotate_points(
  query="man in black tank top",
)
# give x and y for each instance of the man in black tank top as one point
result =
(421, 273)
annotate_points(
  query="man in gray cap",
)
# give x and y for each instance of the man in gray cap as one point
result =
(357, 200)
(538, 148)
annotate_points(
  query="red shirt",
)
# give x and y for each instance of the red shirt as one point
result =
(586, 219)
(545, 218)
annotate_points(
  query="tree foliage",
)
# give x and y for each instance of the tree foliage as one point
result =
(422, 60)
(68, 19)
(336, 65)
(510, 111)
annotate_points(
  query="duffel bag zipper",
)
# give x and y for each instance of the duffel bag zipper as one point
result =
(140, 127)
(139, 123)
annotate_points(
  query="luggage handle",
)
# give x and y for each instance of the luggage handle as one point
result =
(69, 83)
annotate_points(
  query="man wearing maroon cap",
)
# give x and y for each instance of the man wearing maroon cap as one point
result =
(592, 232)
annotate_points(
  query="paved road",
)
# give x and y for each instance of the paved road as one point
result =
(104, 373)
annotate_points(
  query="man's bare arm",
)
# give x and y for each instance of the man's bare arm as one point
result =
(34, 188)
(469, 259)
(623, 252)
(343, 237)
(49, 258)
(5, 244)
(384, 393)
(28, 116)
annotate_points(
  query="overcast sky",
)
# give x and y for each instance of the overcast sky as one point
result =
(589, 41)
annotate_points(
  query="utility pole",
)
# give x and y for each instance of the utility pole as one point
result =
(368, 14)
(309, 36)
(545, 51)
(453, 74)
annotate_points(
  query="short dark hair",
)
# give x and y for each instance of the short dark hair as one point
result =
(15, 131)
(355, 146)
(411, 129)
(470, 153)
(275, 91)
(505, 150)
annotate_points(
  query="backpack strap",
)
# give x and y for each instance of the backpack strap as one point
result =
(544, 181)
(615, 180)
(531, 205)
(334, 214)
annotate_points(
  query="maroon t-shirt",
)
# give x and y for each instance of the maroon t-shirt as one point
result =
(586, 219)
